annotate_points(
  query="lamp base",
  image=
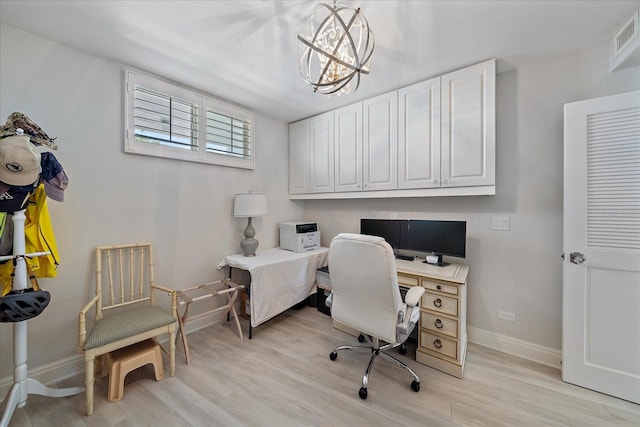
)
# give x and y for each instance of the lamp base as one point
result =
(249, 244)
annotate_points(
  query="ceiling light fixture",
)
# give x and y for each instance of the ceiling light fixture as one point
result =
(335, 47)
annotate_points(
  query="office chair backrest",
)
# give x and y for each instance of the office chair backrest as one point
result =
(363, 276)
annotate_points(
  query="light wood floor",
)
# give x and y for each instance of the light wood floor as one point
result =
(283, 377)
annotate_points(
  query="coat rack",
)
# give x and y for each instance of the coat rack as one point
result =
(22, 386)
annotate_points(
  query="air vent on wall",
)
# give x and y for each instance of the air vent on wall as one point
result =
(625, 48)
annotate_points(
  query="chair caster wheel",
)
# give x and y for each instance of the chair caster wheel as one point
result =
(333, 355)
(403, 349)
(363, 393)
(415, 386)
(360, 338)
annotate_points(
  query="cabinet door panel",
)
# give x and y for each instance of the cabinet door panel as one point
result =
(419, 135)
(299, 157)
(380, 142)
(321, 153)
(468, 126)
(348, 148)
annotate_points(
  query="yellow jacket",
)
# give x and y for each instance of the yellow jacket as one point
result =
(39, 237)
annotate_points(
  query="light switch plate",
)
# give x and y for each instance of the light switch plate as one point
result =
(500, 223)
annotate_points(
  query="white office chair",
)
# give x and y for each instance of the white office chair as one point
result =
(365, 297)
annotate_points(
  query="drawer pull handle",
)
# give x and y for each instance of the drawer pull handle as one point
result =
(437, 343)
(437, 302)
(438, 287)
(438, 323)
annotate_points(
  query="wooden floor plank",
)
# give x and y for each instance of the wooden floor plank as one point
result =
(283, 377)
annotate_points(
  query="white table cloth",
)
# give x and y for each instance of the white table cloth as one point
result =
(279, 278)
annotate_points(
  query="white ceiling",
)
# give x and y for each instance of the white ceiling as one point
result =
(246, 51)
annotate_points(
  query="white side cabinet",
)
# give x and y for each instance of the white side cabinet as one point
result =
(311, 155)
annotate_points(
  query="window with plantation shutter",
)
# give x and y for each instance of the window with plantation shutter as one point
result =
(167, 120)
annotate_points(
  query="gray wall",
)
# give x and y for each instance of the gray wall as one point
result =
(184, 209)
(519, 270)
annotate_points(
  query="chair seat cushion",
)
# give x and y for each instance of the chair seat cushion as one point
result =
(125, 324)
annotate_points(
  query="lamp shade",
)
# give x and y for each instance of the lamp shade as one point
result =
(250, 205)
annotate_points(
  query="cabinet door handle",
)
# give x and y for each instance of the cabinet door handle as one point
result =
(435, 181)
(437, 343)
(438, 323)
(438, 287)
(437, 302)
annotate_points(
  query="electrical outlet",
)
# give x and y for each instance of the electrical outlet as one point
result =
(500, 223)
(505, 315)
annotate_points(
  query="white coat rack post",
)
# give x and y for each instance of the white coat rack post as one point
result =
(23, 386)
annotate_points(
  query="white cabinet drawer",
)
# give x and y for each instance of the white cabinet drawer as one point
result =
(407, 280)
(440, 303)
(438, 344)
(439, 324)
(440, 287)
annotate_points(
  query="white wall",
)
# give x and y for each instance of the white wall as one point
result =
(519, 270)
(184, 209)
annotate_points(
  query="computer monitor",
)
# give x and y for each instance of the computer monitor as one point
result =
(388, 229)
(436, 237)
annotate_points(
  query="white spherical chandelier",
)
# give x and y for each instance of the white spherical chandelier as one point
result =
(334, 49)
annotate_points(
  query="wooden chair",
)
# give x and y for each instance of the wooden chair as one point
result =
(125, 308)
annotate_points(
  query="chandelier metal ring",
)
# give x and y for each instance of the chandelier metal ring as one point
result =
(335, 49)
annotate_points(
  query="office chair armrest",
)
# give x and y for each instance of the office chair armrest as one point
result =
(412, 298)
(82, 324)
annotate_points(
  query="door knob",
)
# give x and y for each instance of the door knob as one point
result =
(577, 258)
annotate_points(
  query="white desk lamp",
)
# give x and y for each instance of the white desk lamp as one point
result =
(249, 205)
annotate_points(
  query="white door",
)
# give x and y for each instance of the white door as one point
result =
(601, 245)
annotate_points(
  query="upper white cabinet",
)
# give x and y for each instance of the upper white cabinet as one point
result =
(434, 138)
(469, 126)
(380, 142)
(311, 157)
(419, 135)
(348, 148)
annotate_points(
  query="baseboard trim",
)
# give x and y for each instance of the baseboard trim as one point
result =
(50, 373)
(544, 355)
(74, 365)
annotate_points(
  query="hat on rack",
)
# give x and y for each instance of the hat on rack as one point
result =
(19, 161)
(36, 134)
(53, 175)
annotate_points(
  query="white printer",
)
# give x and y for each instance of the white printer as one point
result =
(299, 236)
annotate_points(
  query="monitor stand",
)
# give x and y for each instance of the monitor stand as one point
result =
(435, 259)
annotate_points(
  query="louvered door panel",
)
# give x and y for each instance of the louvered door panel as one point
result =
(613, 180)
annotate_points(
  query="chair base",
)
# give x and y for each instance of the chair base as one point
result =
(376, 350)
(120, 362)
